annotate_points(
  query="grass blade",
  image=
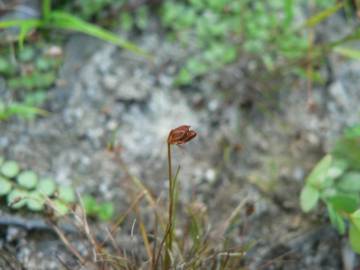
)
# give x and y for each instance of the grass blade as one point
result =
(30, 23)
(69, 22)
(348, 52)
(321, 16)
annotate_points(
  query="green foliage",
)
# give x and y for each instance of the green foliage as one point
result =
(309, 198)
(46, 187)
(27, 179)
(24, 189)
(66, 194)
(354, 237)
(336, 181)
(104, 210)
(63, 20)
(218, 31)
(27, 87)
(10, 169)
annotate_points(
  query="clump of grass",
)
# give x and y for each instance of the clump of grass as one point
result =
(197, 248)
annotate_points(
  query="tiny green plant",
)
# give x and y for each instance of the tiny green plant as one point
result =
(335, 181)
(25, 189)
(28, 73)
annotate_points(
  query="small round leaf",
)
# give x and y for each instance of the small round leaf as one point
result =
(10, 169)
(5, 186)
(17, 198)
(46, 186)
(90, 205)
(27, 179)
(106, 211)
(35, 201)
(67, 194)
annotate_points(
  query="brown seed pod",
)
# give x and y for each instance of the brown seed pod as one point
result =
(181, 135)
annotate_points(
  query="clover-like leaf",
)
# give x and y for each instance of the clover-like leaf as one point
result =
(17, 198)
(35, 201)
(66, 194)
(27, 179)
(5, 186)
(46, 186)
(10, 169)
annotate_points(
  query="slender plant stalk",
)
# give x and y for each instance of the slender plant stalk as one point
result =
(46, 9)
(167, 260)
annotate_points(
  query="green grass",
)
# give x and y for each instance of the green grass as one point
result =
(52, 19)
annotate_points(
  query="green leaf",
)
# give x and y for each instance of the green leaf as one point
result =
(67, 21)
(67, 194)
(24, 110)
(184, 77)
(355, 218)
(337, 168)
(17, 198)
(354, 236)
(352, 132)
(43, 64)
(90, 205)
(349, 182)
(35, 201)
(5, 186)
(344, 202)
(60, 208)
(26, 54)
(27, 179)
(309, 198)
(336, 220)
(46, 186)
(10, 169)
(317, 176)
(348, 52)
(106, 211)
(348, 148)
(2, 159)
(319, 17)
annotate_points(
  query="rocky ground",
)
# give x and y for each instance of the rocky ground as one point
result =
(256, 142)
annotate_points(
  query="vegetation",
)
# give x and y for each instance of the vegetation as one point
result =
(335, 181)
(42, 194)
(217, 32)
(270, 35)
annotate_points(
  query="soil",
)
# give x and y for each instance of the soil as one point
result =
(256, 143)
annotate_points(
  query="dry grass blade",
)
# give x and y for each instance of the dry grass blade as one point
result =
(67, 243)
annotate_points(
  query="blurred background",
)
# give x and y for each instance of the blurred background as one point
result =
(270, 87)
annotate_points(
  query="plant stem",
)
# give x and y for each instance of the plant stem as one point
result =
(169, 230)
(46, 9)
